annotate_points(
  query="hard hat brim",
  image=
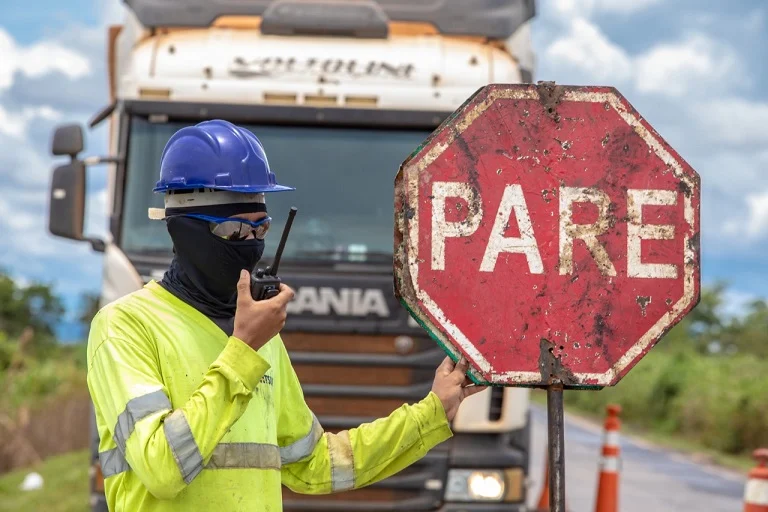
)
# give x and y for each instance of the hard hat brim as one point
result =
(177, 197)
(247, 190)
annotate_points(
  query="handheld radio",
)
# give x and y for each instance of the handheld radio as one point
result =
(265, 284)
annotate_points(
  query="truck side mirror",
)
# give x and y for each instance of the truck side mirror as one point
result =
(66, 210)
(67, 140)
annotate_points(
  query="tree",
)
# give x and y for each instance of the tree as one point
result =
(748, 334)
(709, 331)
(89, 306)
(704, 325)
(43, 309)
(33, 307)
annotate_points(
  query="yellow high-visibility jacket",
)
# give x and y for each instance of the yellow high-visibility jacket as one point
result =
(191, 419)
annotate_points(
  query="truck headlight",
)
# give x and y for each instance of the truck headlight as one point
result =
(475, 485)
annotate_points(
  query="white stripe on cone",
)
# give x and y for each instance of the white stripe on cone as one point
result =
(611, 438)
(609, 464)
(756, 492)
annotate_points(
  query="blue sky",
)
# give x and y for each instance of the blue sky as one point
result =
(695, 69)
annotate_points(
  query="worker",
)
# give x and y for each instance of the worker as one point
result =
(197, 405)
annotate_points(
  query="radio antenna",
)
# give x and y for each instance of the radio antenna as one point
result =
(273, 269)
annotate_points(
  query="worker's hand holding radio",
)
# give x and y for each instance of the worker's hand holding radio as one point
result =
(257, 322)
(262, 299)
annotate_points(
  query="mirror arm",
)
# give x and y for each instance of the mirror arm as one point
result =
(97, 244)
(96, 160)
(102, 114)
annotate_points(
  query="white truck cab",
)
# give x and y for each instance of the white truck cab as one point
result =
(339, 92)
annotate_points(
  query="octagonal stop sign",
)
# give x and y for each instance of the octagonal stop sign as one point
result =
(548, 234)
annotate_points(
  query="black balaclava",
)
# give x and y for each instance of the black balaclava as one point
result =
(205, 268)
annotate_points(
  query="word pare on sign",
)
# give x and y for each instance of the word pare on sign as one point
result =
(513, 208)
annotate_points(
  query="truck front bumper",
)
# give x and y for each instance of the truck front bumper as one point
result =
(484, 507)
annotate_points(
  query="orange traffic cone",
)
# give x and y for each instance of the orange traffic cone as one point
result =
(608, 485)
(756, 490)
(543, 504)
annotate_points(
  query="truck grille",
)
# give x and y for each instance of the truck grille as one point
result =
(353, 379)
(497, 404)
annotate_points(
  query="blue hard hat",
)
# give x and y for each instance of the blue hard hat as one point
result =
(216, 155)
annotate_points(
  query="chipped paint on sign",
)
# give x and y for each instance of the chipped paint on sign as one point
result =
(588, 233)
(441, 229)
(577, 255)
(638, 231)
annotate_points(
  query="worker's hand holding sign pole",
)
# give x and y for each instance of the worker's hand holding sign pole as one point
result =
(549, 235)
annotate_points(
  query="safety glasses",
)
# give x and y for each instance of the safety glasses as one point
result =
(235, 229)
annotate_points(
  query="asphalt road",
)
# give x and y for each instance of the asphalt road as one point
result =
(651, 479)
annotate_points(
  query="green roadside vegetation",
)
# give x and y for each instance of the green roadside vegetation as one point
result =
(65, 486)
(700, 390)
(33, 366)
(669, 442)
(34, 379)
(35, 369)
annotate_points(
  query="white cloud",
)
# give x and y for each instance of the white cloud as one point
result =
(757, 224)
(729, 178)
(673, 69)
(28, 249)
(732, 173)
(23, 221)
(110, 12)
(705, 19)
(576, 49)
(586, 49)
(24, 224)
(589, 7)
(583, 52)
(736, 303)
(731, 228)
(25, 230)
(21, 281)
(96, 214)
(733, 120)
(15, 124)
(38, 59)
(749, 222)
(25, 169)
(755, 22)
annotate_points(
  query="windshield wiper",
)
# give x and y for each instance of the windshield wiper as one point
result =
(152, 253)
(348, 256)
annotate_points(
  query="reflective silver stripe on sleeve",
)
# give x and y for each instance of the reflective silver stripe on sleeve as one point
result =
(183, 445)
(342, 461)
(304, 446)
(136, 409)
(112, 462)
(225, 456)
(244, 456)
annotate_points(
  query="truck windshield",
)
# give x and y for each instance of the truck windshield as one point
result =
(344, 179)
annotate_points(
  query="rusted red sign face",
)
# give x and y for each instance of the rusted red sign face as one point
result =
(549, 234)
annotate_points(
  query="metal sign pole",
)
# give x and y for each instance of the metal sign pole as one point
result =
(556, 434)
